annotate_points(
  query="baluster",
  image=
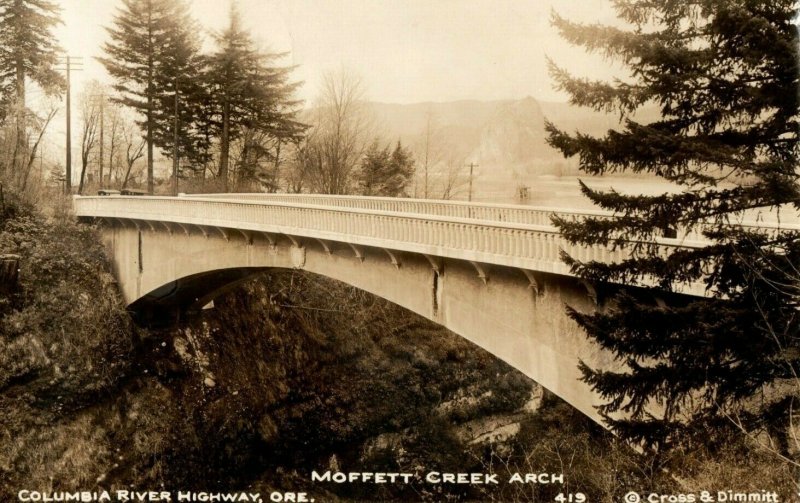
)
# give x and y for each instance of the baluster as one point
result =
(472, 237)
(531, 245)
(499, 241)
(503, 241)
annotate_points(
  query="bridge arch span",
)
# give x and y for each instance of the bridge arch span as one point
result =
(516, 315)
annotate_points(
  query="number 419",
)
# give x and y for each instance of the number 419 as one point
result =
(571, 498)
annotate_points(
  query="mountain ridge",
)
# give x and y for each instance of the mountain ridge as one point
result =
(506, 138)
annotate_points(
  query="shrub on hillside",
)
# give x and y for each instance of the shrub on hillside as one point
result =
(65, 339)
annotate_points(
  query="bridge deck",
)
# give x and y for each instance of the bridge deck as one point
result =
(504, 235)
(537, 215)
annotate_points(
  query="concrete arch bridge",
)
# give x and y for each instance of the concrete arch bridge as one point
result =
(490, 273)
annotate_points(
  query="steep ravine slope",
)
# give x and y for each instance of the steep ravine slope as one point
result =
(280, 377)
(288, 374)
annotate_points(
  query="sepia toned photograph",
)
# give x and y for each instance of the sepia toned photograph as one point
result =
(400, 251)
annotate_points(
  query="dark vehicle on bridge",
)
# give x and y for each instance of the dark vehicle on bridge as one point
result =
(133, 192)
(107, 192)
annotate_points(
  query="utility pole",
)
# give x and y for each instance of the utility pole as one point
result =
(472, 166)
(102, 127)
(71, 63)
(175, 159)
(102, 105)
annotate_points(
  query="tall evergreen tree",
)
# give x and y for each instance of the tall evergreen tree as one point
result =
(724, 75)
(249, 93)
(180, 103)
(153, 56)
(384, 172)
(28, 50)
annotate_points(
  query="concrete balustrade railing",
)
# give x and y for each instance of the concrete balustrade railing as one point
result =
(536, 215)
(507, 243)
(461, 209)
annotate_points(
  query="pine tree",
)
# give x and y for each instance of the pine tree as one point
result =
(401, 172)
(153, 56)
(384, 172)
(249, 94)
(372, 167)
(179, 112)
(28, 50)
(724, 76)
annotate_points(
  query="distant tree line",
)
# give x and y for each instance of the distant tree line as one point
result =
(227, 118)
(194, 105)
(230, 115)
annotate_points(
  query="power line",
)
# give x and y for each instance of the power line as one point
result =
(102, 126)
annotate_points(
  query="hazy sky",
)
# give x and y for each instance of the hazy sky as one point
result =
(404, 50)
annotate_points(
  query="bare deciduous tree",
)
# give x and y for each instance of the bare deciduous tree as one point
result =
(440, 173)
(452, 179)
(90, 124)
(15, 168)
(42, 125)
(134, 150)
(111, 137)
(333, 148)
(428, 151)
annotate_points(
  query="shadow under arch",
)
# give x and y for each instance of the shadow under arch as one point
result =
(169, 303)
